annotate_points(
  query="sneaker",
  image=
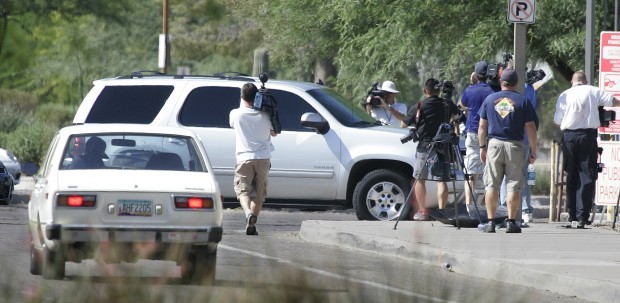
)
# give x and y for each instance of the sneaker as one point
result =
(527, 217)
(250, 228)
(488, 227)
(513, 228)
(582, 224)
(421, 215)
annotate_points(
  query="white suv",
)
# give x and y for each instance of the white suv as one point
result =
(330, 152)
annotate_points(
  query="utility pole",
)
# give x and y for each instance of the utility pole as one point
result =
(164, 42)
(589, 57)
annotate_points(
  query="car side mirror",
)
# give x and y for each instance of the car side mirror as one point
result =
(29, 168)
(316, 122)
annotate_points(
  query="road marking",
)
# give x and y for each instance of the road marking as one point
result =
(333, 275)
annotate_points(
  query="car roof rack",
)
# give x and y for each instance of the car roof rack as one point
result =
(220, 75)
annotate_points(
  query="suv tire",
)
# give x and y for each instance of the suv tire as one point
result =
(381, 195)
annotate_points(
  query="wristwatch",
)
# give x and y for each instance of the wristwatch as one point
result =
(483, 146)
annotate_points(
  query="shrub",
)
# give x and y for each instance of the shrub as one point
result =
(30, 141)
(11, 117)
(543, 181)
(55, 114)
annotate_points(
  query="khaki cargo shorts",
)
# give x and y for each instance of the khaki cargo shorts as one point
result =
(473, 163)
(251, 179)
(504, 158)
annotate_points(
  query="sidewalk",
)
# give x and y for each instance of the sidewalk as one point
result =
(572, 262)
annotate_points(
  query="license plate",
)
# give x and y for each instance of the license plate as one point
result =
(141, 208)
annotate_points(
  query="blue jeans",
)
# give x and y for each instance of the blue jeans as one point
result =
(526, 195)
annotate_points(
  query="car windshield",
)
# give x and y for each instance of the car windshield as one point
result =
(132, 151)
(346, 112)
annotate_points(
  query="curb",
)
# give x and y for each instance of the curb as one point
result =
(487, 266)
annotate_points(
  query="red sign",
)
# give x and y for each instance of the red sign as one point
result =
(609, 73)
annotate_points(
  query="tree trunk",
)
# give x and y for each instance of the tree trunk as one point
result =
(324, 71)
(261, 61)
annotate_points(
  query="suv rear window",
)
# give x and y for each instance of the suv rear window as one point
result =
(129, 104)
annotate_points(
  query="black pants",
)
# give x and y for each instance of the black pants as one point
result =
(579, 149)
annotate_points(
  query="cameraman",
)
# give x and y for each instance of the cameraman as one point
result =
(387, 111)
(427, 116)
(472, 99)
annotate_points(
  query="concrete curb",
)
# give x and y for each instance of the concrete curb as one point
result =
(414, 247)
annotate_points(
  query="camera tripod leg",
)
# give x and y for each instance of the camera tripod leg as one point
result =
(407, 206)
(461, 163)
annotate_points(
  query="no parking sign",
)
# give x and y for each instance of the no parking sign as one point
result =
(521, 11)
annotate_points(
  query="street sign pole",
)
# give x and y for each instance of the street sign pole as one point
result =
(519, 54)
(521, 13)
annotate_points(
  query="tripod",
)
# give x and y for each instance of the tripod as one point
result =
(447, 139)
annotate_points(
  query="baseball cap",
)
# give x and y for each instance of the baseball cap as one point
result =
(510, 77)
(481, 68)
(389, 87)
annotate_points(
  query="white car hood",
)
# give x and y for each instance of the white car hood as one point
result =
(135, 180)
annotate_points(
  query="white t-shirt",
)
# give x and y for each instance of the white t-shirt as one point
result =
(386, 117)
(252, 133)
(577, 107)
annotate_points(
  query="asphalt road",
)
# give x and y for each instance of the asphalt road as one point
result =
(276, 266)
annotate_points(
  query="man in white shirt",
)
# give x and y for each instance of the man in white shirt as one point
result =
(576, 114)
(388, 111)
(253, 132)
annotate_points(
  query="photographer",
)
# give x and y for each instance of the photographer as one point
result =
(385, 109)
(427, 116)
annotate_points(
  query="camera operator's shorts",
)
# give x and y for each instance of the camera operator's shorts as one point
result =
(427, 161)
(251, 179)
(504, 158)
(473, 163)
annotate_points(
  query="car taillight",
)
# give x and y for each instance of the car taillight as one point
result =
(76, 200)
(193, 202)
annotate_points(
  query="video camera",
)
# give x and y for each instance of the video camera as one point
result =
(375, 93)
(264, 101)
(411, 136)
(494, 70)
(534, 75)
(606, 116)
(447, 89)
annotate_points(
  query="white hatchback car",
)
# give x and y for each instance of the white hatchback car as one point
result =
(108, 191)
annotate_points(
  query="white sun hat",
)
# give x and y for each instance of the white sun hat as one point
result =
(389, 87)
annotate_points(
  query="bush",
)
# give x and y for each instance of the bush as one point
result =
(30, 141)
(24, 102)
(11, 117)
(55, 114)
(543, 181)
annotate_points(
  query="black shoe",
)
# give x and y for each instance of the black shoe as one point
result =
(513, 228)
(250, 228)
(488, 227)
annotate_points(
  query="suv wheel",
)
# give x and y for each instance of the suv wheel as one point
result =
(380, 195)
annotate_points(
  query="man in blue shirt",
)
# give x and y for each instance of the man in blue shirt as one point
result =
(503, 116)
(472, 98)
(526, 194)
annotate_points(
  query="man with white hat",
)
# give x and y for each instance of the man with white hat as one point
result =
(388, 112)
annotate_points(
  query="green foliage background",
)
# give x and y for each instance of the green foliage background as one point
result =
(51, 51)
